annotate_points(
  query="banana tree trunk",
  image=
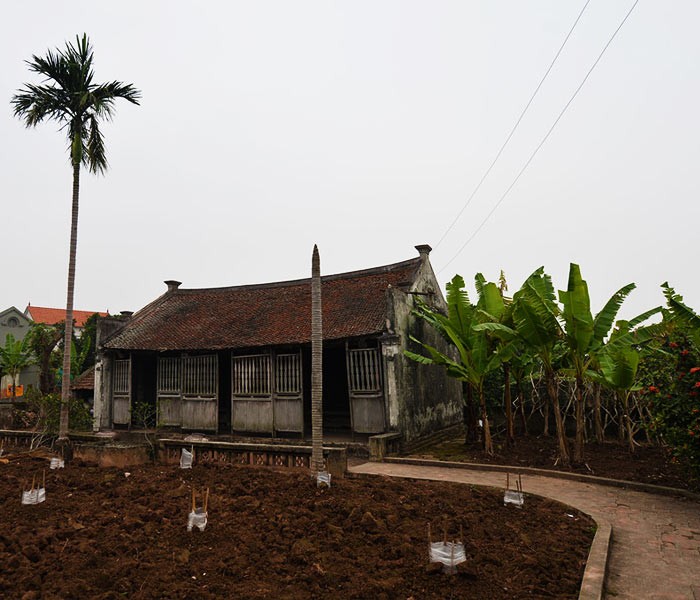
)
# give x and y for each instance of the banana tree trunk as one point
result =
(469, 413)
(521, 403)
(553, 394)
(597, 419)
(68, 331)
(510, 426)
(625, 400)
(488, 442)
(580, 423)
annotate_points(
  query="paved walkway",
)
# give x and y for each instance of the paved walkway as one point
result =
(655, 550)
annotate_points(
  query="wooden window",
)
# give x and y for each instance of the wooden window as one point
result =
(288, 374)
(363, 370)
(251, 375)
(122, 377)
(200, 375)
(169, 376)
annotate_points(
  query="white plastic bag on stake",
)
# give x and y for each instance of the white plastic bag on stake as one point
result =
(323, 478)
(516, 496)
(57, 463)
(198, 517)
(186, 459)
(36, 495)
(449, 554)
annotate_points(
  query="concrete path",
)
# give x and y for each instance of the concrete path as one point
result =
(655, 550)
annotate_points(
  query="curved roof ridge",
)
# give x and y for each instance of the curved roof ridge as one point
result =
(302, 281)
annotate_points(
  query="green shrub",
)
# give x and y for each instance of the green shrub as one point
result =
(675, 405)
(42, 412)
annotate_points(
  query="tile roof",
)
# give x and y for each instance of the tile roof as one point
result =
(84, 381)
(354, 304)
(51, 316)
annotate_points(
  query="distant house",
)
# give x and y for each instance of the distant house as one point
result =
(14, 322)
(52, 316)
(238, 359)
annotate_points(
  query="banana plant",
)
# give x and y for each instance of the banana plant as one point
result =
(14, 357)
(475, 358)
(617, 363)
(682, 313)
(584, 335)
(536, 323)
(494, 307)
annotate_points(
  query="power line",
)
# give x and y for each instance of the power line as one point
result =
(544, 139)
(512, 131)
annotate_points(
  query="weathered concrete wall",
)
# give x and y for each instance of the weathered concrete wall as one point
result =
(426, 398)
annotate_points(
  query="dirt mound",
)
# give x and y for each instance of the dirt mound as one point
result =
(274, 534)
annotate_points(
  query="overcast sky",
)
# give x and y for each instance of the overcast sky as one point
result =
(362, 126)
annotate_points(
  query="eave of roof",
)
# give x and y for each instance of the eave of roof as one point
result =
(270, 314)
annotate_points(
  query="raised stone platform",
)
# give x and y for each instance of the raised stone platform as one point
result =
(273, 455)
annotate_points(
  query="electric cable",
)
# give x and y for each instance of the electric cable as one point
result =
(512, 131)
(544, 139)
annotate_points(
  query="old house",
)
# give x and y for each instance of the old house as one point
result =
(237, 359)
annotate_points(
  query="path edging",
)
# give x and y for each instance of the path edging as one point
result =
(620, 483)
(593, 582)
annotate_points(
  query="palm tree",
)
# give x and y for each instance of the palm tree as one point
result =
(69, 97)
(316, 366)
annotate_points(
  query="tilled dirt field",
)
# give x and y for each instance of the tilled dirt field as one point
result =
(274, 534)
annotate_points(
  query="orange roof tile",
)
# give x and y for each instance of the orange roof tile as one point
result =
(51, 316)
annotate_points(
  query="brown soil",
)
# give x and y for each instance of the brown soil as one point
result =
(274, 534)
(648, 464)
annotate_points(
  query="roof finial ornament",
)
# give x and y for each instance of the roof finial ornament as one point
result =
(423, 250)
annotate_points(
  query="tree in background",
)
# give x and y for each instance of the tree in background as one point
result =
(42, 340)
(71, 98)
(14, 357)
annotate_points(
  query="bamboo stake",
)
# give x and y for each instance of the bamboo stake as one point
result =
(193, 506)
(206, 500)
(33, 480)
(507, 481)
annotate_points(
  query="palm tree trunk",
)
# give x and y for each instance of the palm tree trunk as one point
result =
(316, 366)
(561, 433)
(68, 332)
(510, 426)
(580, 424)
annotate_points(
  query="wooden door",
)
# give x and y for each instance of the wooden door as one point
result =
(121, 392)
(365, 388)
(169, 392)
(288, 400)
(200, 392)
(251, 393)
